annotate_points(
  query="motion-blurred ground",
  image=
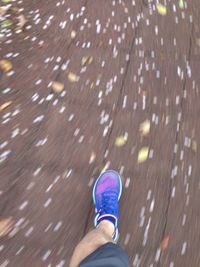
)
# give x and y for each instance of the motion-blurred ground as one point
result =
(95, 84)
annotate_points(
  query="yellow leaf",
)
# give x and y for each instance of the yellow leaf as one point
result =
(73, 77)
(6, 23)
(120, 141)
(143, 154)
(145, 127)
(73, 34)
(181, 4)
(194, 146)
(86, 60)
(5, 226)
(5, 105)
(57, 87)
(5, 65)
(162, 10)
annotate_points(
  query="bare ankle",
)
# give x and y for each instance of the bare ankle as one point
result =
(107, 227)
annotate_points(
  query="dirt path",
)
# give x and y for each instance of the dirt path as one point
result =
(89, 85)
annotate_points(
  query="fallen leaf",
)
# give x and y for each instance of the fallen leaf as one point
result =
(181, 4)
(22, 21)
(164, 243)
(73, 77)
(73, 34)
(86, 60)
(198, 41)
(5, 1)
(14, 9)
(120, 141)
(145, 127)
(5, 226)
(92, 157)
(57, 87)
(162, 10)
(143, 154)
(3, 10)
(6, 23)
(5, 65)
(194, 146)
(5, 105)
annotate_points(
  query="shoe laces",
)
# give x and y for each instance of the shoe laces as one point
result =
(110, 202)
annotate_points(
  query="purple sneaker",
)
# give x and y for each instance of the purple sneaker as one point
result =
(106, 194)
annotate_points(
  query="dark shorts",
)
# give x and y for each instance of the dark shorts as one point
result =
(108, 255)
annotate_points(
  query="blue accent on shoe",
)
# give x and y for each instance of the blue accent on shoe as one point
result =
(106, 194)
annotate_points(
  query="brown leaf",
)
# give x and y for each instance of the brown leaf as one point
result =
(5, 65)
(57, 87)
(22, 21)
(164, 243)
(86, 60)
(5, 226)
(5, 105)
(3, 10)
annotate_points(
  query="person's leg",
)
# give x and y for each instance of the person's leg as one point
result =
(106, 194)
(93, 240)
